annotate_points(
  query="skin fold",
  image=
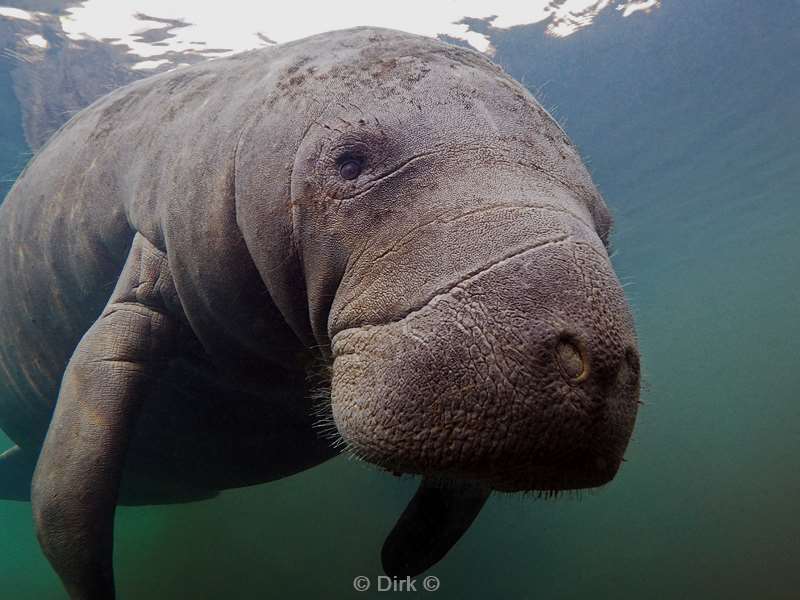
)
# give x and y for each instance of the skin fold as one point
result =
(184, 254)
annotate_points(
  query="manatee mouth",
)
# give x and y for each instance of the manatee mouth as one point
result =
(516, 386)
(591, 470)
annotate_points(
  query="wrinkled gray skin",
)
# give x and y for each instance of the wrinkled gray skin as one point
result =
(183, 252)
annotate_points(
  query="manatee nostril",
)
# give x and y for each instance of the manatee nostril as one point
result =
(627, 370)
(571, 360)
(632, 363)
(632, 358)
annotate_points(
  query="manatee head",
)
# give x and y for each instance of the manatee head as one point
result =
(450, 250)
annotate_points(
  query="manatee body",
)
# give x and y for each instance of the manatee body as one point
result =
(396, 218)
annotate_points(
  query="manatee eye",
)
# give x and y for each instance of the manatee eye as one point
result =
(349, 168)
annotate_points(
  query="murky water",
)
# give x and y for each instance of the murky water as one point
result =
(690, 120)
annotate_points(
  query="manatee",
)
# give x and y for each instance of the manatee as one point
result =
(365, 241)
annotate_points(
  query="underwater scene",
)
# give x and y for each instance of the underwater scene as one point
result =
(660, 454)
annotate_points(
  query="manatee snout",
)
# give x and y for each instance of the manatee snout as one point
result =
(523, 375)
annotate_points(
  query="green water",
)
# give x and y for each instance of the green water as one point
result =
(13, 149)
(690, 118)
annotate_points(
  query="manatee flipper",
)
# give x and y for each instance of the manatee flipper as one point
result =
(77, 478)
(435, 519)
(16, 471)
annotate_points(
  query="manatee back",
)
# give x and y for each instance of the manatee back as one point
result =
(67, 224)
(155, 157)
